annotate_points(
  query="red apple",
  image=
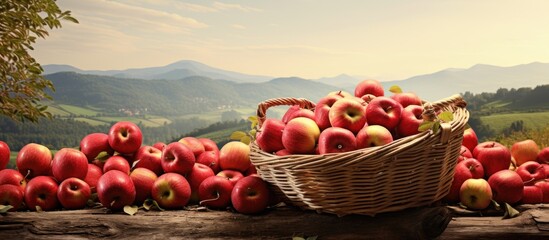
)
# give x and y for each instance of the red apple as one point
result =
(194, 144)
(115, 190)
(13, 177)
(464, 153)
(470, 139)
(369, 86)
(410, 119)
(546, 169)
(171, 191)
(531, 172)
(251, 170)
(125, 137)
(341, 94)
(215, 192)
(407, 98)
(466, 169)
(322, 109)
(475, 193)
(12, 195)
(209, 145)
(150, 158)
(302, 112)
(336, 140)
(373, 135)
(93, 175)
(143, 180)
(41, 191)
(34, 160)
(493, 156)
(73, 193)
(232, 175)
(384, 111)
(524, 151)
(93, 144)
(235, 156)
(532, 195)
(506, 186)
(250, 195)
(543, 156)
(348, 113)
(69, 162)
(159, 145)
(283, 152)
(4, 155)
(178, 158)
(300, 136)
(269, 136)
(289, 112)
(210, 159)
(195, 178)
(544, 186)
(117, 162)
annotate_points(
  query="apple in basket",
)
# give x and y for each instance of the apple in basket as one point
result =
(411, 118)
(300, 136)
(322, 110)
(335, 140)
(348, 113)
(407, 98)
(475, 193)
(373, 135)
(384, 111)
(369, 86)
(269, 136)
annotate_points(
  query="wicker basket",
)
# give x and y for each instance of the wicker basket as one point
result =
(409, 172)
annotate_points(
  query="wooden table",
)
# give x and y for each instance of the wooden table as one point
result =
(281, 223)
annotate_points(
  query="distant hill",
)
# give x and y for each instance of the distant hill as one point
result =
(177, 70)
(476, 79)
(175, 97)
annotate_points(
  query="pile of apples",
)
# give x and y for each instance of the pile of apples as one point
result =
(342, 122)
(490, 171)
(120, 172)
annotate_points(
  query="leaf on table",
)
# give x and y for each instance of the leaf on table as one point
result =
(510, 212)
(131, 210)
(5, 208)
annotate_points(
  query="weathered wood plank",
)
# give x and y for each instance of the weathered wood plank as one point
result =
(280, 223)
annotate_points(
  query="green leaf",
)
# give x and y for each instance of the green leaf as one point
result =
(436, 127)
(237, 135)
(150, 204)
(496, 205)
(246, 139)
(131, 210)
(5, 208)
(510, 212)
(253, 119)
(103, 156)
(252, 132)
(446, 116)
(395, 89)
(425, 125)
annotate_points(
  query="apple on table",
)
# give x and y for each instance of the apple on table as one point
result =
(475, 193)
(171, 191)
(34, 160)
(73, 193)
(250, 195)
(215, 192)
(115, 189)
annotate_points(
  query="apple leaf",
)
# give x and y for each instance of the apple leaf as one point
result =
(425, 125)
(38, 209)
(246, 139)
(510, 212)
(237, 135)
(5, 208)
(253, 132)
(103, 156)
(496, 205)
(131, 210)
(436, 127)
(150, 204)
(254, 121)
(395, 89)
(446, 116)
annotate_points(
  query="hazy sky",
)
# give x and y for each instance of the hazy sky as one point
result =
(387, 40)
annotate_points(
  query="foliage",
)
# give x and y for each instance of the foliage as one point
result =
(540, 136)
(22, 85)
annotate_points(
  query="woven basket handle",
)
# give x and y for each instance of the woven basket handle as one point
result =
(455, 99)
(263, 106)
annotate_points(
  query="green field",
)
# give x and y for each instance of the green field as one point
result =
(533, 120)
(79, 111)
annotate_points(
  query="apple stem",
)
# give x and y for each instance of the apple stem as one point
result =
(210, 200)
(28, 174)
(113, 202)
(529, 181)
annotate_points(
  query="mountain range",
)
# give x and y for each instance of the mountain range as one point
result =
(433, 86)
